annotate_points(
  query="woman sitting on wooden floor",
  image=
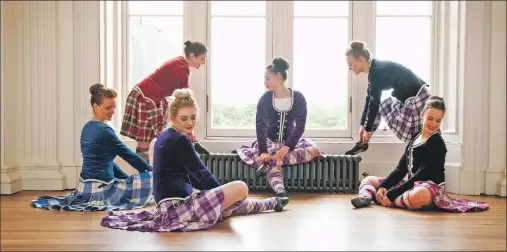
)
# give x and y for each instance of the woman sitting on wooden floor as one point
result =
(177, 171)
(423, 160)
(102, 183)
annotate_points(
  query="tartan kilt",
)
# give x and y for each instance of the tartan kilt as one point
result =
(404, 119)
(442, 201)
(143, 120)
(300, 155)
(201, 210)
(122, 194)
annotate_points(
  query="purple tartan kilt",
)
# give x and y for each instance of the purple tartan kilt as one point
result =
(442, 201)
(201, 210)
(404, 119)
(301, 154)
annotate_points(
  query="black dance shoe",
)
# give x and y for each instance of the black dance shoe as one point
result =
(200, 149)
(281, 203)
(357, 148)
(360, 202)
(262, 170)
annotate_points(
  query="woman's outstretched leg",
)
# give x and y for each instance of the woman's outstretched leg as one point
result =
(367, 192)
(236, 201)
(275, 180)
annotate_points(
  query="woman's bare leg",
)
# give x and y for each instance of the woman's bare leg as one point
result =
(143, 149)
(414, 199)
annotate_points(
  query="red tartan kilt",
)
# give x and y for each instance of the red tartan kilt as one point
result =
(143, 120)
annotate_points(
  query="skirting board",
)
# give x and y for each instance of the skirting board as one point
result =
(67, 177)
(11, 181)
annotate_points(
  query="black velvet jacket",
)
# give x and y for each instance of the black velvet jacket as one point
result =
(177, 168)
(285, 127)
(385, 75)
(423, 161)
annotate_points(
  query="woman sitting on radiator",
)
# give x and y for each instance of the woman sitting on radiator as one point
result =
(423, 160)
(178, 172)
(102, 184)
(280, 124)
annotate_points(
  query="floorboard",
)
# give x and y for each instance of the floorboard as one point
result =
(310, 222)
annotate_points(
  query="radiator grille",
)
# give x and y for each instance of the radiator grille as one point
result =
(334, 173)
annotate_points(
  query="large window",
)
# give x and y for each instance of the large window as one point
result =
(155, 31)
(238, 56)
(321, 34)
(244, 36)
(404, 34)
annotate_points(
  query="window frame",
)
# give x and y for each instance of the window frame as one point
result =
(279, 21)
(384, 131)
(232, 133)
(114, 65)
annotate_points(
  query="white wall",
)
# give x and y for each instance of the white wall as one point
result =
(50, 56)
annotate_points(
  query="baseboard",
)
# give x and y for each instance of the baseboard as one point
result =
(467, 183)
(491, 182)
(10, 181)
(66, 177)
(452, 178)
(501, 185)
(42, 178)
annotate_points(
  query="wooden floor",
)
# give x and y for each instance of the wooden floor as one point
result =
(310, 222)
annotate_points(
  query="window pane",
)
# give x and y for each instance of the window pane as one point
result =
(238, 8)
(320, 73)
(404, 8)
(406, 40)
(321, 8)
(153, 40)
(155, 7)
(238, 50)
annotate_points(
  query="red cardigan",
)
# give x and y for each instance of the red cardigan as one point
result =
(172, 75)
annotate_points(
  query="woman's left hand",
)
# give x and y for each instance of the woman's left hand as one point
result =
(367, 136)
(386, 202)
(281, 153)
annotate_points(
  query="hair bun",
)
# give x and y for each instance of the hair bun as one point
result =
(187, 43)
(435, 97)
(281, 63)
(183, 93)
(357, 45)
(95, 88)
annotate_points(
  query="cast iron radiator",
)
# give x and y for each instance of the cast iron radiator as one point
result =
(333, 173)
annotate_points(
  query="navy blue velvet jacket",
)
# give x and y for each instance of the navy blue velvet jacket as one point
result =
(284, 127)
(427, 163)
(177, 168)
(385, 75)
(100, 146)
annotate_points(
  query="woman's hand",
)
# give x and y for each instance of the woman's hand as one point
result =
(281, 153)
(381, 194)
(386, 202)
(366, 136)
(265, 157)
(361, 133)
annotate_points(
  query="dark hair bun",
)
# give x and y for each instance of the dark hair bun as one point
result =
(281, 63)
(359, 45)
(95, 88)
(436, 98)
(187, 43)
